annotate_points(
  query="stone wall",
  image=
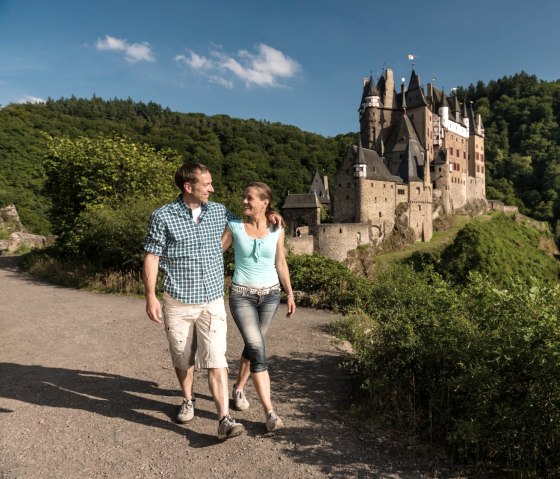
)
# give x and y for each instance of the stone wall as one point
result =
(300, 244)
(336, 239)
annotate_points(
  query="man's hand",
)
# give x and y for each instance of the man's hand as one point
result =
(276, 219)
(153, 308)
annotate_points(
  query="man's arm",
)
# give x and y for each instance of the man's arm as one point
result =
(227, 239)
(272, 215)
(150, 273)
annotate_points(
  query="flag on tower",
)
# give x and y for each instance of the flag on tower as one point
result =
(411, 56)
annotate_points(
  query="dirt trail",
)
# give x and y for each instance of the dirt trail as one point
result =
(87, 391)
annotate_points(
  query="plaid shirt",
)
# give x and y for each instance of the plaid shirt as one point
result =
(190, 253)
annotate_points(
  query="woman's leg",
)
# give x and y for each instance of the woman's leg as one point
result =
(266, 308)
(243, 373)
(262, 385)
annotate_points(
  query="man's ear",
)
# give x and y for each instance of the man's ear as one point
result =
(188, 187)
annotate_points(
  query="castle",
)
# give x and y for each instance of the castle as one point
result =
(420, 154)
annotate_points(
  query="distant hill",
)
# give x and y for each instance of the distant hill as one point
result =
(521, 115)
(237, 151)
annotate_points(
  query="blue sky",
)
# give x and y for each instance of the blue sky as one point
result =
(295, 62)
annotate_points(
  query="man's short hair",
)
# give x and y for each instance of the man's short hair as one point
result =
(188, 173)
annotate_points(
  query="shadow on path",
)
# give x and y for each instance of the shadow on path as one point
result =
(109, 395)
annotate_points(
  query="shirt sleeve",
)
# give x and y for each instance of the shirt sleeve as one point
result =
(156, 239)
(230, 216)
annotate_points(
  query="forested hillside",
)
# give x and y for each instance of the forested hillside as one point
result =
(521, 115)
(237, 151)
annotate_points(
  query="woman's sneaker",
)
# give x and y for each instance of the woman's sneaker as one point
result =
(186, 411)
(273, 422)
(239, 399)
(229, 428)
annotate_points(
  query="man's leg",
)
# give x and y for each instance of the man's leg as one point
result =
(186, 380)
(218, 384)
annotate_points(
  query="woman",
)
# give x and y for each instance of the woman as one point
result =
(260, 265)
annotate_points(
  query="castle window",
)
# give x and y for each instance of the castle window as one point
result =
(417, 190)
(372, 185)
(347, 197)
(439, 169)
(392, 187)
(400, 191)
(380, 214)
(340, 230)
(340, 185)
(384, 185)
(419, 207)
(457, 150)
(464, 156)
(385, 200)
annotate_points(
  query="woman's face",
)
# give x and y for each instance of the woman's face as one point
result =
(253, 206)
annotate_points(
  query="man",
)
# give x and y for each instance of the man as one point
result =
(184, 240)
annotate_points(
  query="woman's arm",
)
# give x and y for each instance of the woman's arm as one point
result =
(284, 273)
(227, 238)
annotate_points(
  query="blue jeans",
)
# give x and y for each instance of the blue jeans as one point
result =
(252, 315)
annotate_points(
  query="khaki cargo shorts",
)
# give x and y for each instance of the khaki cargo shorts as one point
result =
(196, 333)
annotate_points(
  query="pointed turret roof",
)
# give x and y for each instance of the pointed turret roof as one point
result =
(375, 168)
(318, 187)
(369, 89)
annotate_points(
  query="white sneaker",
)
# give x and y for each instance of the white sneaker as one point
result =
(239, 399)
(229, 428)
(186, 411)
(273, 422)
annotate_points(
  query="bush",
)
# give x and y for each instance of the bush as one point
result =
(327, 283)
(112, 237)
(478, 370)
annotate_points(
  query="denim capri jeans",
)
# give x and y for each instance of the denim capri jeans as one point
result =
(252, 315)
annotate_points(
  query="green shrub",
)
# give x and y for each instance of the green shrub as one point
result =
(113, 236)
(327, 283)
(478, 370)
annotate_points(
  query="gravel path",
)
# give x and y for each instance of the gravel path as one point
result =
(87, 391)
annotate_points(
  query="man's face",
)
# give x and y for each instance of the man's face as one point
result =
(199, 192)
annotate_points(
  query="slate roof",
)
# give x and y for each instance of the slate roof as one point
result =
(375, 167)
(306, 200)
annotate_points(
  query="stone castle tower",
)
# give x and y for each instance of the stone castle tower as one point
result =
(420, 154)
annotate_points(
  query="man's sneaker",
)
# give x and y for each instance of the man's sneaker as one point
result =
(229, 428)
(186, 411)
(273, 422)
(239, 399)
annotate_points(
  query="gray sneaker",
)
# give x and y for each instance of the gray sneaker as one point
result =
(239, 399)
(273, 422)
(186, 411)
(229, 428)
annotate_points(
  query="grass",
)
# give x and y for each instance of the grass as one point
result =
(439, 241)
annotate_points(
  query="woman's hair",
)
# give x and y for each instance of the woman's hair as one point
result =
(264, 192)
(188, 173)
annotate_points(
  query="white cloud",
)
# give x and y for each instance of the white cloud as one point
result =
(266, 68)
(134, 52)
(31, 99)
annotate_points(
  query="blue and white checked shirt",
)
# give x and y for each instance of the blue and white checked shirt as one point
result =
(190, 253)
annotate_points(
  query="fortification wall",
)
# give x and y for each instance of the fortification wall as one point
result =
(336, 239)
(300, 244)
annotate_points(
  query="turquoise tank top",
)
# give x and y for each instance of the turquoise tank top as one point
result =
(254, 258)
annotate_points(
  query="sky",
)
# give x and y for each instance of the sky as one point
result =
(296, 62)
